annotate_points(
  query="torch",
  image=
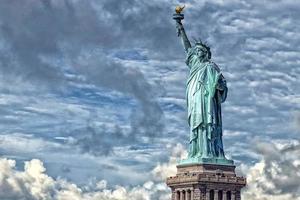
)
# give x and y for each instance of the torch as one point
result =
(178, 16)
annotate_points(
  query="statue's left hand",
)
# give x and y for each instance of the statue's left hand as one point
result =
(221, 85)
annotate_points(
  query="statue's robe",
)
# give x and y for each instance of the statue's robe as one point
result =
(206, 90)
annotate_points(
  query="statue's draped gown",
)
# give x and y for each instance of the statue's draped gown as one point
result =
(206, 90)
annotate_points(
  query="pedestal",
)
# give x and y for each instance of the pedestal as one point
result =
(206, 182)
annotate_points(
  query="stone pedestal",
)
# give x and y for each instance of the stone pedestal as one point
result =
(206, 182)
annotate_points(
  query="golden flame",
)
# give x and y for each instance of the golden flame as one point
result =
(179, 9)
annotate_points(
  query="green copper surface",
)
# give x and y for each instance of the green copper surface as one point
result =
(199, 160)
(206, 89)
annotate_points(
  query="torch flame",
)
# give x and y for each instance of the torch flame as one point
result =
(179, 9)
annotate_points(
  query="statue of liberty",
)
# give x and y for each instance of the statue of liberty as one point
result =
(205, 91)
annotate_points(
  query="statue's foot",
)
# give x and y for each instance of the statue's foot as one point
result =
(205, 156)
(198, 155)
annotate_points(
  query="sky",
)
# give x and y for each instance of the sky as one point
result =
(92, 96)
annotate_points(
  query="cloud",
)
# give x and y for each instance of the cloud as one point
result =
(276, 175)
(47, 40)
(100, 141)
(164, 170)
(37, 41)
(26, 144)
(34, 184)
(147, 117)
(296, 122)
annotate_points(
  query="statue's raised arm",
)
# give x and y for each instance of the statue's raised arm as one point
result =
(180, 29)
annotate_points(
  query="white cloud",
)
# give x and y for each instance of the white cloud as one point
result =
(34, 184)
(257, 183)
(276, 176)
(164, 170)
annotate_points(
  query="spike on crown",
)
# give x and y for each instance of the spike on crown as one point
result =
(205, 45)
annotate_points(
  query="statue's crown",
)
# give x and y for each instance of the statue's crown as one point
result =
(205, 45)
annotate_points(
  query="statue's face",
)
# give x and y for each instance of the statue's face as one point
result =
(202, 52)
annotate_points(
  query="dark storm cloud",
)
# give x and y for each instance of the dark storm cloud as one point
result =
(147, 118)
(100, 140)
(27, 34)
(33, 30)
(38, 34)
